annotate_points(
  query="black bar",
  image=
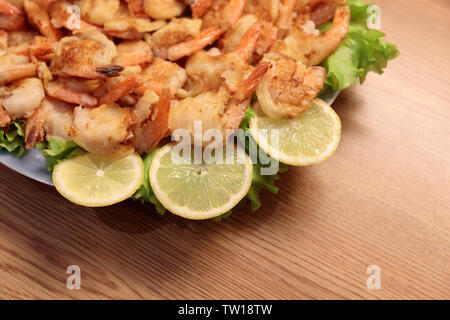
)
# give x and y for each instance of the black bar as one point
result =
(225, 309)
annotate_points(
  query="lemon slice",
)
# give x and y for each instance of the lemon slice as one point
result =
(97, 181)
(199, 191)
(310, 138)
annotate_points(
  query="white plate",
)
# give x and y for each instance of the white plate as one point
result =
(33, 165)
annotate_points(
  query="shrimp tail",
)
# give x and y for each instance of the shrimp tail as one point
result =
(71, 96)
(120, 90)
(136, 7)
(285, 16)
(248, 87)
(199, 7)
(234, 10)
(11, 73)
(34, 130)
(247, 44)
(239, 102)
(38, 16)
(187, 48)
(8, 9)
(155, 128)
(161, 119)
(4, 117)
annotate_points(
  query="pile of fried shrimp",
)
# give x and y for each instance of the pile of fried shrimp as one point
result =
(119, 76)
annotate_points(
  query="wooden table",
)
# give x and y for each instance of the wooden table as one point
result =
(383, 199)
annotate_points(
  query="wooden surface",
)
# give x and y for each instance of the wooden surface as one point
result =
(383, 199)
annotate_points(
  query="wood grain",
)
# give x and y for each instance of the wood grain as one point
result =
(382, 199)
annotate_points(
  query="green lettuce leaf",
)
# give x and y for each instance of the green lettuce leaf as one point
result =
(259, 182)
(363, 50)
(145, 192)
(55, 151)
(12, 139)
(222, 217)
(358, 10)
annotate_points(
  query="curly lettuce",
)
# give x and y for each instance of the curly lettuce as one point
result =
(363, 50)
(259, 181)
(145, 192)
(55, 151)
(12, 138)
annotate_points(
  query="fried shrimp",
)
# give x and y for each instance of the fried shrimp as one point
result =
(161, 74)
(4, 117)
(223, 14)
(289, 87)
(199, 7)
(208, 71)
(217, 109)
(163, 9)
(182, 37)
(57, 90)
(105, 129)
(120, 90)
(60, 17)
(98, 12)
(11, 17)
(122, 75)
(52, 120)
(37, 46)
(132, 53)
(187, 48)
(8, 9)
(37, 13)
(267, 36)
(152, 114)
(15, 67)
(305, 44)
(23, 98)
(319, 11)
(136, 7)
(86, 55)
